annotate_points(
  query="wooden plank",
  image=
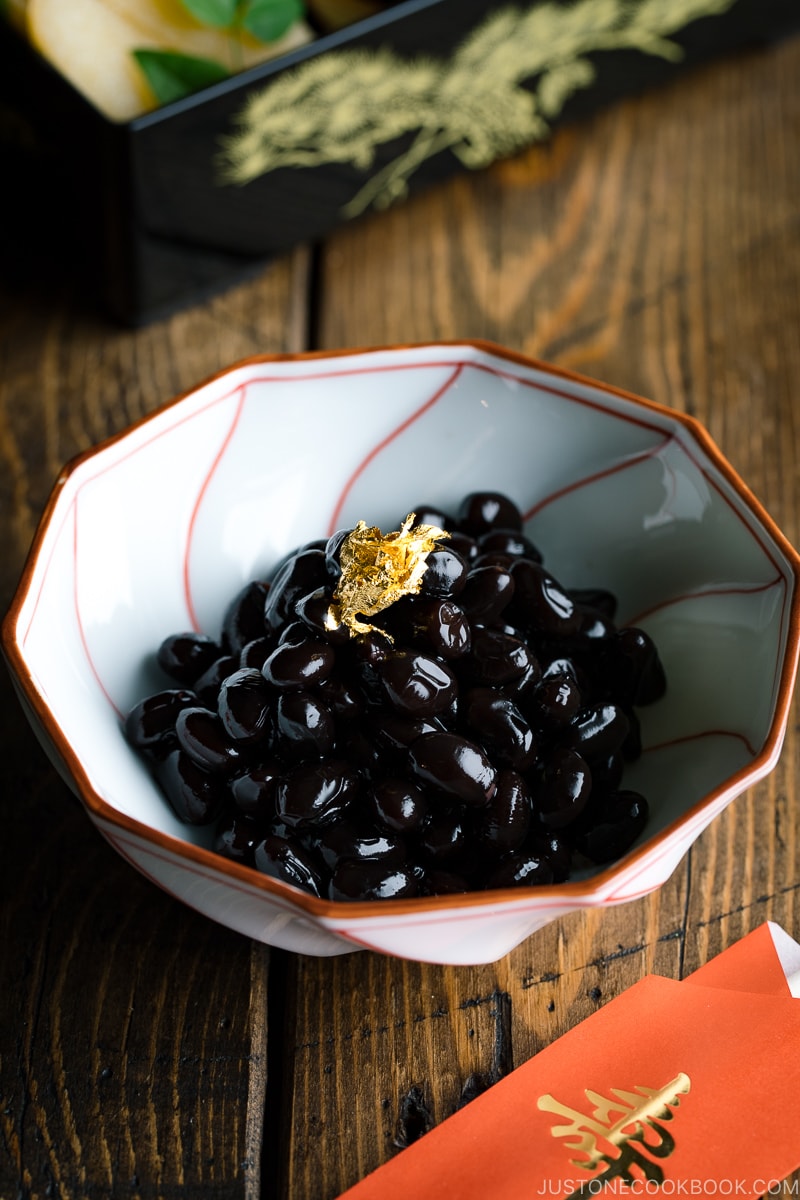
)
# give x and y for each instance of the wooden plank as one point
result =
(134, 1051)
(656, 246)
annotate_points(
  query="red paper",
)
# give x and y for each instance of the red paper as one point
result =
(751, 964)
(689, 1088)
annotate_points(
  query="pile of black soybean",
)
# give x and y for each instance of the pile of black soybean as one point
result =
(481, 747)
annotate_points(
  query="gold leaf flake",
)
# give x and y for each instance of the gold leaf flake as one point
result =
(378, 569)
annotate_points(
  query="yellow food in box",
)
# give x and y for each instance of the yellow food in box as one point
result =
(91, 43)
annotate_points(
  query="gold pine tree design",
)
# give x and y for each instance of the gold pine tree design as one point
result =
(342, 106)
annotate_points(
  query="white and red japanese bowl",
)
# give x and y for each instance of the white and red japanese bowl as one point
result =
(155, 530)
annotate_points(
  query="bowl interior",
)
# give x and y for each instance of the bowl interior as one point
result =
(155, 532)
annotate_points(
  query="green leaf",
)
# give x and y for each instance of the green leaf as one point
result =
(269, 20)
(172, 76)
(219, 13)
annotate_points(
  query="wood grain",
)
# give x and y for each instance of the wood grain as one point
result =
(656, 246)
(134, 1046)
(148, 1053)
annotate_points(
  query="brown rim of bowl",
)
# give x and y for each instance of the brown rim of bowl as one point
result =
(577, 893)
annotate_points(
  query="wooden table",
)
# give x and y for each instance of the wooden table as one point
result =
(147, 1052)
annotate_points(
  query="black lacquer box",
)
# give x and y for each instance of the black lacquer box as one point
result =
(176, 204)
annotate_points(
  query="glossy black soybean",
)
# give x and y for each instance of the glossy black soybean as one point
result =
(487, 725)
(499, 726)
(436, 881)
(392, 732)
(150, 724)
(612, 826)
(244, 617)
(559, 665)
(186, 656)
(202, 736)
(455, 765)
(370, 649)
(416, 684)
(293, 633)
(517, 690)
(243, 705)
(597, 731)
(299, 665)
(209, 683)
(253, 791)
(286, 859)
(196, 797)
(633, 669)
(564, 789)
(343, 698)
(481, 511)
(508, 541)
(540, 602)
(502, 825)
(496, 658)
(316, 794)
(304, 727)
(348, 839)
(553, 702)
(289, 557)
(493, 558)
(521, 869)
(333, 548)
(463, 544)
(256, 653)
(444, 838)
(607, 772)
(354, 880)
(601, 599)
(593, 627)
(397, 805)
(301, 574)
(438, 626)
(432, 514)
(236, 839)
(545, 843)
(362, 752)
(445, 573)
(316, 611)
(486, 593)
